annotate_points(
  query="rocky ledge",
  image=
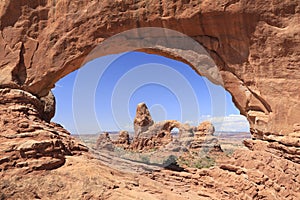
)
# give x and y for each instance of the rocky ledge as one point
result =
(27, 140)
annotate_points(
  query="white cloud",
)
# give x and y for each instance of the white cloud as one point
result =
(233, 122)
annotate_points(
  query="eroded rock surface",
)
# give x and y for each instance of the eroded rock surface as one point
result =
(205, 128)
(104, 142)
(27, 141)
(142, 120)
(240, 177)
(204, 139)
(159, 135)
(123, 140)
(269, 177)
(254, 45)
(155, 136)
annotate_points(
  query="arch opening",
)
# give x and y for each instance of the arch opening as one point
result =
(119, 89)
(152, 91)
(205, 60)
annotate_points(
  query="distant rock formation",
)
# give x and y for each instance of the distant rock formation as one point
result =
(204, 139)
(123, 140)
(150, 136)
(104, 142)
(182, 142)
(142, 120)
(153, 140)
(159, 135)
(156, 135)
(205, 128)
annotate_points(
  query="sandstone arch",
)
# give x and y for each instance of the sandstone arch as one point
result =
(254, 43)
(45, 40)
(170, 124)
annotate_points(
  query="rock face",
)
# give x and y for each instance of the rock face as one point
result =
(159, 135)
(152, 142)
(208, 144)
(123, 140)
(142, 120)
(155, 136)
(204, 139)
(266, 177)
(28, 142)
(205, 128)
(259, 179)
(49, 106)
(255, 45)
(104, 142)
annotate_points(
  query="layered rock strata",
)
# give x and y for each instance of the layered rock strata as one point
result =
(204, 139)
(255, 45)
(28, 141)
(123, 140)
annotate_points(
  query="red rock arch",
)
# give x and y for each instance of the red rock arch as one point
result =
(254, 49)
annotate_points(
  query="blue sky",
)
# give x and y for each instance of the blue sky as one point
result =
(103, 95)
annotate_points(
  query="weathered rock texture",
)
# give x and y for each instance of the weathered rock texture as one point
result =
(27, 141)
(157, 135)
(191, 138)
(204, 139)
(104, 142)
(205, 128)
(142, 120)
(268, 177)
(152, 141)
(255, 45)
(123, 140)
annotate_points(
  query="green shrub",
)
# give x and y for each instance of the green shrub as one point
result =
(170, 160)
(145, 159)
(204, 162)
